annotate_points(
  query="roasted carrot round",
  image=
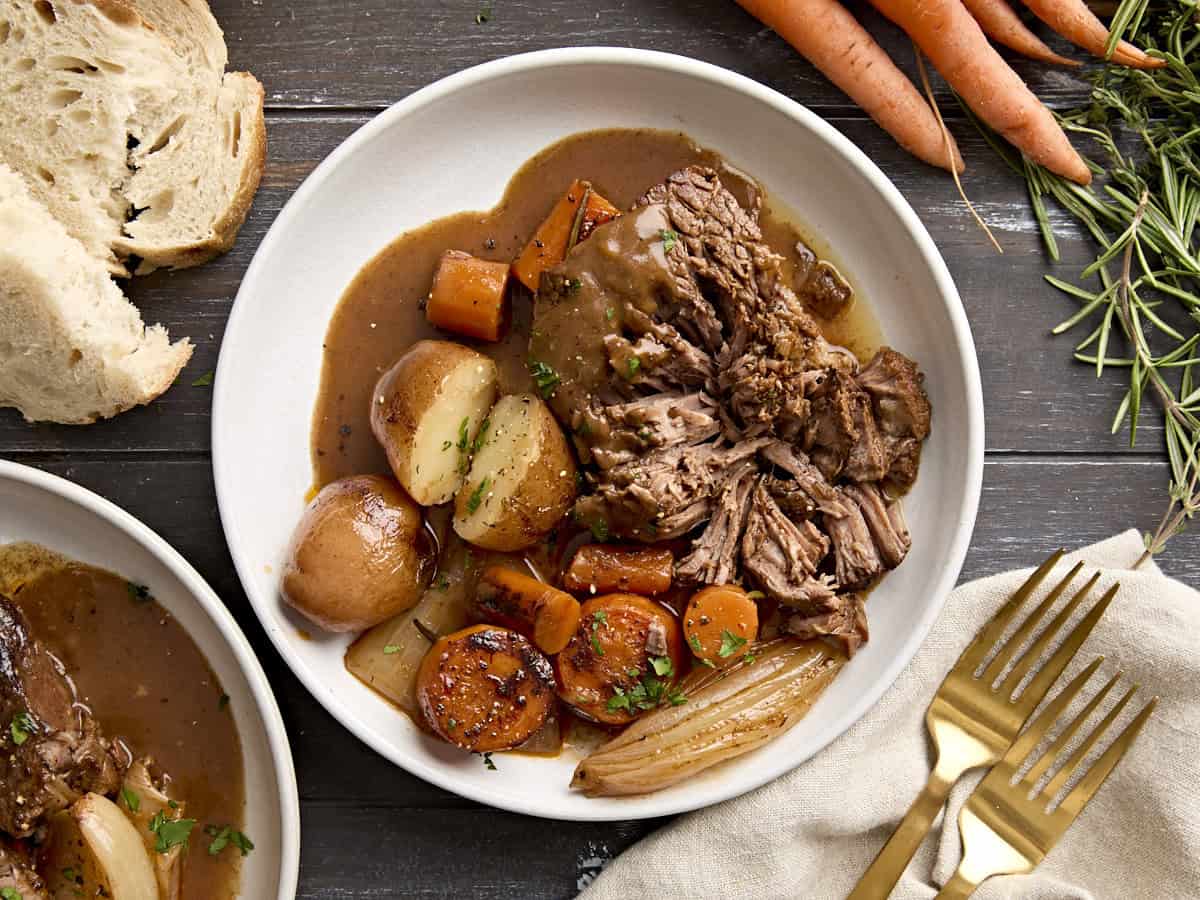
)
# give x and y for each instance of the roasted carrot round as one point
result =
(1073, 20)
(830, 38)
(720, 623)
(602, 568)
(1002, 24)
(960, 51)
(469, 296)
(623, 660)
(537, 610)
(485, 688)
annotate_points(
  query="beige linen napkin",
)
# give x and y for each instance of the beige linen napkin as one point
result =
(813, 832)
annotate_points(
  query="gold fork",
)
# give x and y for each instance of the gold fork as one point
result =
(973, 724)
(1004, 830)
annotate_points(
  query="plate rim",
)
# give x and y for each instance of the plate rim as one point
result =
(838, 144)
(231, 632)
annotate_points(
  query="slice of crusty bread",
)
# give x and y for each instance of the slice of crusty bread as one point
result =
(72, 348)
(120, 115)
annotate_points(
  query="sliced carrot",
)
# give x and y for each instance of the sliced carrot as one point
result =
(549, 244)
(536, 609)
(720, 623)
(958, 49)
(469, 296)
(1002, 24)
(830, 38)
(1073, 20)
(485, 688)
(603, 568)
(596, 212)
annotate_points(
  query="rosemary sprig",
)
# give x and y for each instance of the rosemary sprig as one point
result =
(1143, 217)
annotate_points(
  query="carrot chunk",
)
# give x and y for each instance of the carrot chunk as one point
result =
(637, 570)
(578, 213)
(469, 296)
(596, 211)
(720, 623)
(515, 600)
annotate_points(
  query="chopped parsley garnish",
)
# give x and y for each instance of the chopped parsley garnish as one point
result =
(170, 832)
(599, 529)
(694, 640)
(481, 437)
(634, 364)
(749, 658)
(391, 649)
(204, 380)
(651, 691)
(22, 728)
(9, 894)
(574, 285)
(610, 314)
(469, 561)
(441, 582)
(756, 595)
(487, 761)
(464, 437)
(669, 238)
(224, 835)
(730, 644)
(132, 799)
(477, 495)
(546, 379)
(452, 724)
(138, 593)
(599, 617)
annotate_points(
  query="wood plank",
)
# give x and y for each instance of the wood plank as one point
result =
(1037, 399)
(373, 52)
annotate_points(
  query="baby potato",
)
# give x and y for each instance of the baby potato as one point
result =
(522, 480)
(485, 688)
(426, 413)
(359, 555)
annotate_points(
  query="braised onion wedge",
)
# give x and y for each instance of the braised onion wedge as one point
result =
(143, 797)
(116, 848)
(728, 712)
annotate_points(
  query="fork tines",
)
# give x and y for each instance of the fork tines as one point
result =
(1037, 687)
(1037, 731)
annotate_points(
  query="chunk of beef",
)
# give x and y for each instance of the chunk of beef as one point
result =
(846, 623)
(622, 432)
(820, 285)
(901, 407)
(782, 556)
(841, 433)
(664, 494)
(666, 359)
(884, 520)
(17, 874)
(790, 497)
(714, 555)
(807, 478)
(51, 749)
(857, 560)
(765, 396)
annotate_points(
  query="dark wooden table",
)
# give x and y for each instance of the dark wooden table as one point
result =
(1054, 474)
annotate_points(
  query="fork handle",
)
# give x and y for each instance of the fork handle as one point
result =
(877, 882)
(957, 888)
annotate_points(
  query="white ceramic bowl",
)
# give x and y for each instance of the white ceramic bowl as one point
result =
(453, 146)
(46, 509)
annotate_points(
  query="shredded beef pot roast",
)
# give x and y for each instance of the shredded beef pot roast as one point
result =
(695, 380)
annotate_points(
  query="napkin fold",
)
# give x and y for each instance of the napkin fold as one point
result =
(813, 832)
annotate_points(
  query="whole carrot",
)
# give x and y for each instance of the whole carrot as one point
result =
(1079, 25)
(832, 40)
(958, 49)
(1002, 24)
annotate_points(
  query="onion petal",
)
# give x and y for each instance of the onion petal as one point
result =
(117, 848)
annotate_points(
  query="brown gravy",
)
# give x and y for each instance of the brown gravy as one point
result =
(381, 312)
(150, 688)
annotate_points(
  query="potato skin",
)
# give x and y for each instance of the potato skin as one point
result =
(485, 688)
(619, 624)
(402, 397)
(540, 502)
(359, 555)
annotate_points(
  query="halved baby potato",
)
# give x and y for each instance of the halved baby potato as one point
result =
(522, 480)
(426, 413)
